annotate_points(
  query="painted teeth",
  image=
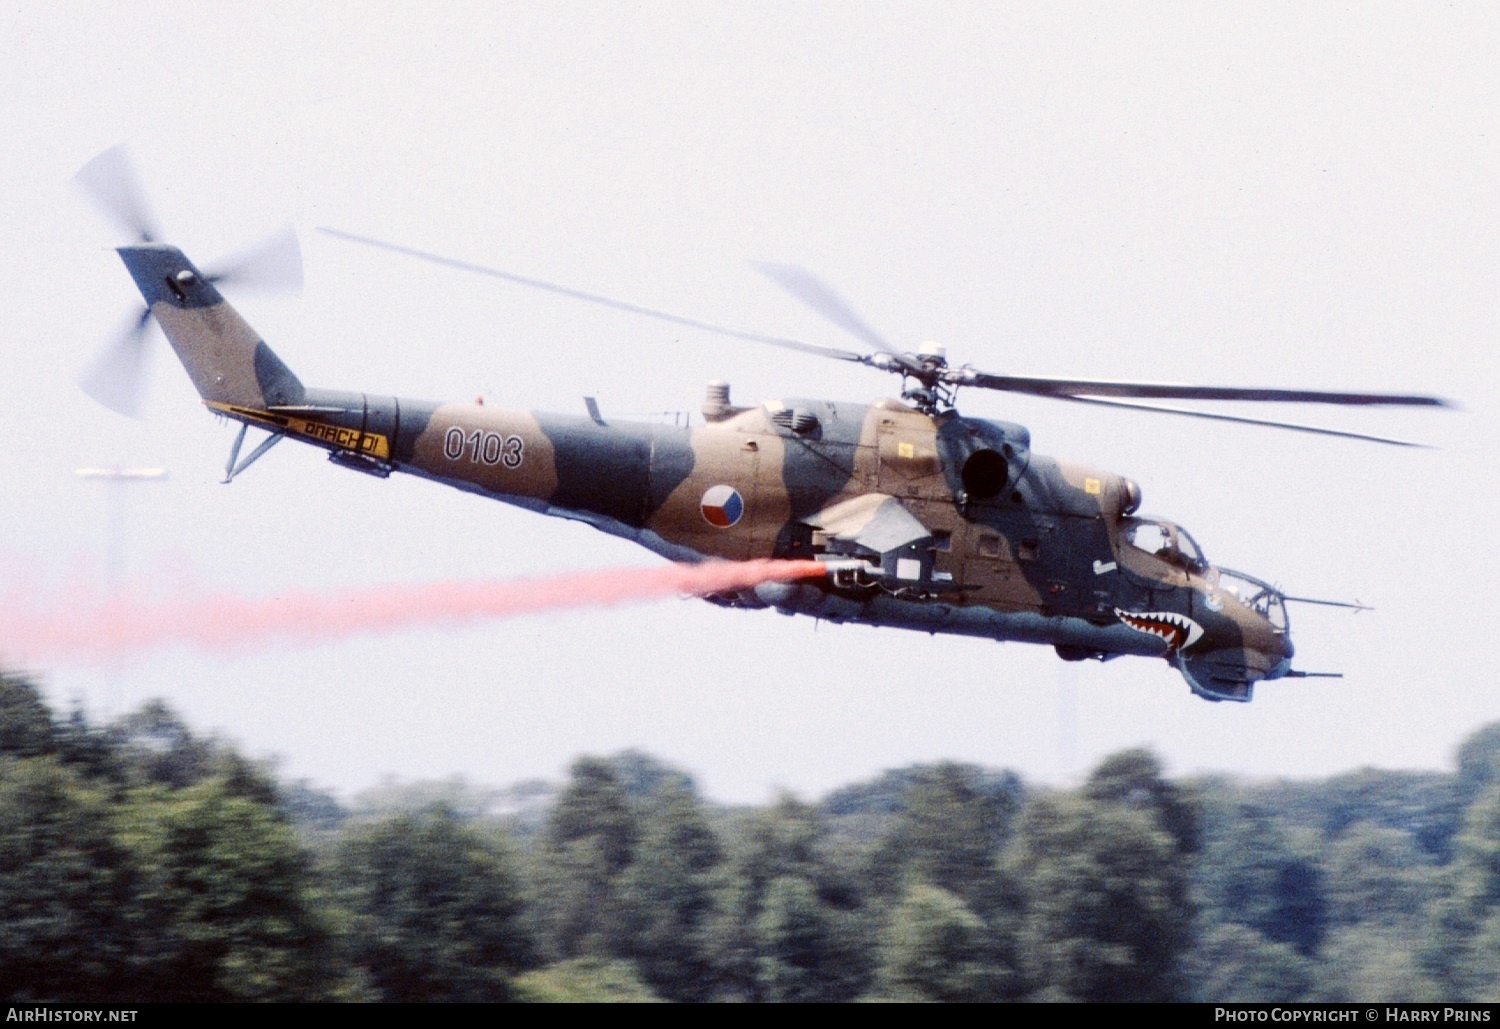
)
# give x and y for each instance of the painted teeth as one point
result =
(1177, 631)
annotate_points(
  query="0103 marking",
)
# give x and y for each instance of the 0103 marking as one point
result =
(483, 447)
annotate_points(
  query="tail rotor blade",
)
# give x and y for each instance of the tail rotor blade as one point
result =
(117, 378)
(272, 266)
(111, 181)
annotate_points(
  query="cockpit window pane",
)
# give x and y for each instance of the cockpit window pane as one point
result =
(1150, 537)
(1260, 597)
(1189, 548)
(1166, 541)
(1276, 613)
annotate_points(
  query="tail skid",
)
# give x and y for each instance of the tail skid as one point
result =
(234, 466)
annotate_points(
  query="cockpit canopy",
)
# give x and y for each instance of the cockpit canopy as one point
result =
(1261, 597)
(1170, 543)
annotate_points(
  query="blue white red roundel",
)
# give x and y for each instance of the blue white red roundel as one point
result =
(722, 506)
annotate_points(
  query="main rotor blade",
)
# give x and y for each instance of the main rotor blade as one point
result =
(1074, 389)
(111, 181)
(594, 298)
(274, 265)
(820, 296)
(117, 378)
(1295, 427)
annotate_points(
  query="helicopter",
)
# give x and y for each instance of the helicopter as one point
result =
(922, 517)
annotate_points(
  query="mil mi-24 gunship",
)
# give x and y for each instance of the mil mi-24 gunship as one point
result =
(924, 518)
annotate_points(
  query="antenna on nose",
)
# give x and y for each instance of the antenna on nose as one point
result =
(1356, 606)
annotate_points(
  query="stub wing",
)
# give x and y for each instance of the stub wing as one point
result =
(879, 529)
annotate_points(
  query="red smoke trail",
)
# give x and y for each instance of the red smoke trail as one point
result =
(102, 630)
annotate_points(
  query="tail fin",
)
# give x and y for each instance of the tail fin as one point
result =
(228, 362)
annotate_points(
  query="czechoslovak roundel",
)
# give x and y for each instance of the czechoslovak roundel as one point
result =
(722, 506)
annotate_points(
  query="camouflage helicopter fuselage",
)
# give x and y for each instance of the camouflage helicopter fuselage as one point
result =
(941, 523)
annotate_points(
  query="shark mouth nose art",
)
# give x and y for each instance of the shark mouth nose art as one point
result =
(1179, 631)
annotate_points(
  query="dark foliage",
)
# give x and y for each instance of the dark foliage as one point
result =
(140, 860)
(434, 909)
(1428, 805)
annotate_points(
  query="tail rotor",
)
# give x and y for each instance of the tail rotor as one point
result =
(111, 182)
(117, 377)
(273, 265)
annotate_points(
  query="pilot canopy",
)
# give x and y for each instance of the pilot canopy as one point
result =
(1169, 542)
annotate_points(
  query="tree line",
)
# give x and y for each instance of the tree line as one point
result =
(141, 861)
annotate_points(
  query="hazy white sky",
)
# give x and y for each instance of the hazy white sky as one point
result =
(1299, 195)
